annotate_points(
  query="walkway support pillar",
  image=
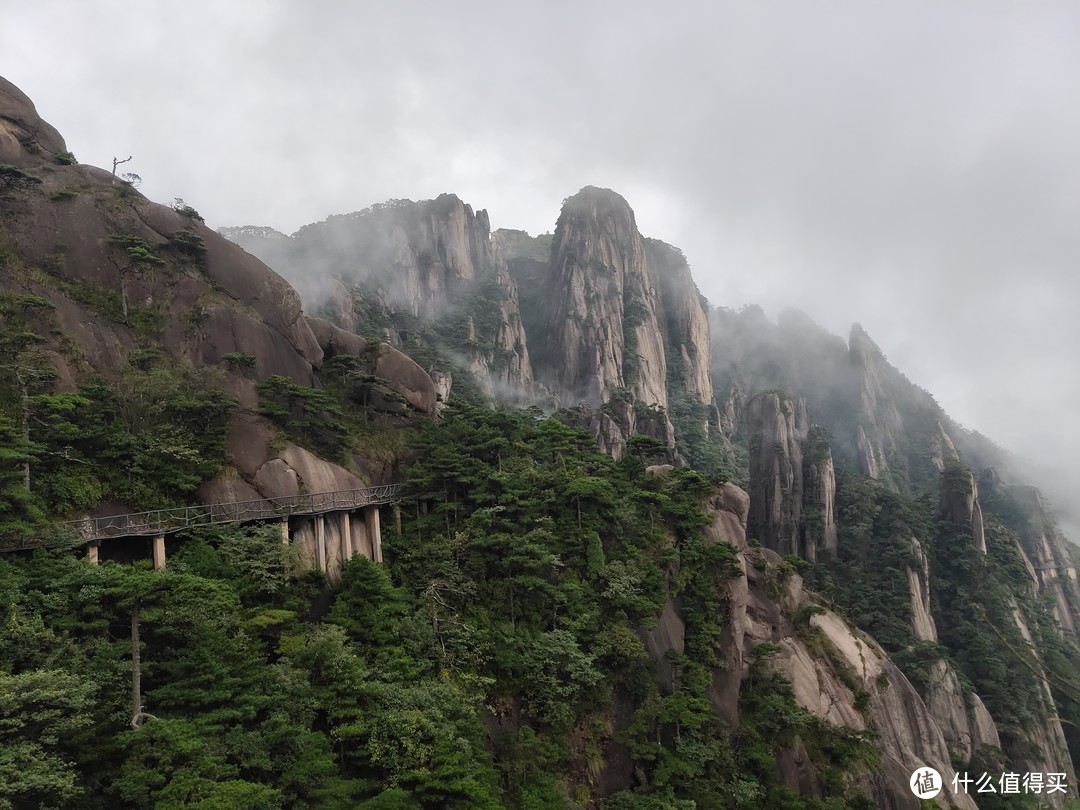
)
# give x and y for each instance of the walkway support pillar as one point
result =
(371, 518)
(159, 552)
(285, 531)
(361, 536)
(320, 542)
(346, 537)
(92, 553)
(397, 519)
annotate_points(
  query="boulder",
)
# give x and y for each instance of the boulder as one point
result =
(21, 125)
(406, 378)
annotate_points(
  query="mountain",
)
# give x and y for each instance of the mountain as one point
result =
(393, 267)
(99, 283)
(651, 553)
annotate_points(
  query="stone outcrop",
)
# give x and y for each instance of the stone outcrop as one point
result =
(824, 671)
(603, 331)
(406, 377)
(224, 302)
(1037, 746)
(819, 529)
(966, 725)
(1052, 568)
(275, 473)
(394, 369)
(922, 618)
(684, 319)
(776, 473)
(434, 261)
(201, 299)
(615, 422)
(792, 479)
(960, 504)
(23, 134)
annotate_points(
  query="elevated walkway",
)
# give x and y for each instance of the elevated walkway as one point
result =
(170, 521)
(320, 522)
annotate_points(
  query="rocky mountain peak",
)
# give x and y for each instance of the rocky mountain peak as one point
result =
(23, 133)
(412, 271)
(861, 345)
(599, 205)
(603, 331)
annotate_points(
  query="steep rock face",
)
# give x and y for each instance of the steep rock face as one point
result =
(22, 131)
(880, 421)
(965, 723)
(226, 301)
(922, 619)
(819, 529)
(960, 504)
(1033, 746)
(603, 332)
(433, 260)
(198, 298)
(776, 474)
(1047, 750)
(685, 321)
(792, 479)
(1045, 548)
(613, 423)
(942, 450)
(908, 734)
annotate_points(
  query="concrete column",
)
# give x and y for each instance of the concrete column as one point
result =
(361, 535)
(92, 554)
(284, 531)
(346, 537)
(371, 518)
(159, 552)
(320, 542)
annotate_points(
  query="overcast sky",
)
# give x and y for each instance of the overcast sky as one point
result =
(912, 166)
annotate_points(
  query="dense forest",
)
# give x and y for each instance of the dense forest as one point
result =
(480, 667)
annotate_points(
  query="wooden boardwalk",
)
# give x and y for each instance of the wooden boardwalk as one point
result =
(168, 521)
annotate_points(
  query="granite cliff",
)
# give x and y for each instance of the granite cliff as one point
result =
(125, 280)
(412, 273)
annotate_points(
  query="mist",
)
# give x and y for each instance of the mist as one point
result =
(912, 167)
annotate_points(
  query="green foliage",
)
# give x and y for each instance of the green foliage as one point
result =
(490, 662)
(240, 362)
(137, 250)
(982, 634)
(185, 210)
(187, 244)
(65, 159)
(65, 193)
(309, 416)
(148, 441)
(12, 177)
(868, 579)
(45, 718)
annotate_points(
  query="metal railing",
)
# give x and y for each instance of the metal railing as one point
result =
(167, 521)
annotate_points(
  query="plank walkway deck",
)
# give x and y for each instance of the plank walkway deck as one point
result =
(167, 521)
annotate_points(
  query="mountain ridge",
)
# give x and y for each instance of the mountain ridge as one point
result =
(880, 601)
